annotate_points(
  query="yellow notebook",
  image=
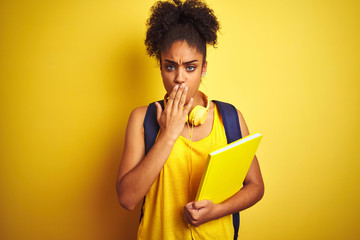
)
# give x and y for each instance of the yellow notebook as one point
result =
(226, 169)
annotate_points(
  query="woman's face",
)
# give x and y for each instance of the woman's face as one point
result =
(182, 63)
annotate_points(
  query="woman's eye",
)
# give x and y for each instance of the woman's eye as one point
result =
(190, 68)
(170, 67)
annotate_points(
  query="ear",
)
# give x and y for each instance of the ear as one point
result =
(204, 68)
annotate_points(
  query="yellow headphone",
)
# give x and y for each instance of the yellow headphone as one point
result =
(198, 114)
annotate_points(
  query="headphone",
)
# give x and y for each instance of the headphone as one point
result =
(198, 114)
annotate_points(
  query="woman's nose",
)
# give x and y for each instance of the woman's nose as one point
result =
(179, 78)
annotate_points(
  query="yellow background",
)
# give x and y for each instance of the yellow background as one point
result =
(71, 72)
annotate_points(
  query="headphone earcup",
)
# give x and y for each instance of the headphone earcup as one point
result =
(198, 115)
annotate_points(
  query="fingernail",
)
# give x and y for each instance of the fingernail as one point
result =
(176, 87)
(186, 88)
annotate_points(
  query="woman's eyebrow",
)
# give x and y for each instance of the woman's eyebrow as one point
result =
(167, 60)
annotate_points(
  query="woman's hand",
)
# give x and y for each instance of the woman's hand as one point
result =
(197, 213)
(173, 118)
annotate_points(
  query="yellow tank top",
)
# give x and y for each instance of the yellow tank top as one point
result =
(176, 185)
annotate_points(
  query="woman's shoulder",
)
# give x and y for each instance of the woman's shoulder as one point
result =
(136, 120)
(138, 113)
(139, 110)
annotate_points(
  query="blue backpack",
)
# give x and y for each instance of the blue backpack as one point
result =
(232, 129)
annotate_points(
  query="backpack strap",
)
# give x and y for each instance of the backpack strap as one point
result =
(230, 119)
(151, 126)
(151, 129)
(232, 129)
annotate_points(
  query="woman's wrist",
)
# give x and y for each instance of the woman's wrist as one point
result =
(219, 211)
(167, 137)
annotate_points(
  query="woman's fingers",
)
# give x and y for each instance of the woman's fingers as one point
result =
(188, 106)
(178, 96)
(169, 103)
(187, 214)
(176, 104)
(183, 98)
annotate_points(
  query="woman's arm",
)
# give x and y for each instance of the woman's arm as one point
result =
(197, 213)
(138, 172)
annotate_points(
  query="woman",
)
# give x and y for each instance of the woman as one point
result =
(169, 174)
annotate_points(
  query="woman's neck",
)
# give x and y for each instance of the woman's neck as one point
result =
(198, 100)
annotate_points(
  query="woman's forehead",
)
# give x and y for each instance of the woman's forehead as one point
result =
(181, 51)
